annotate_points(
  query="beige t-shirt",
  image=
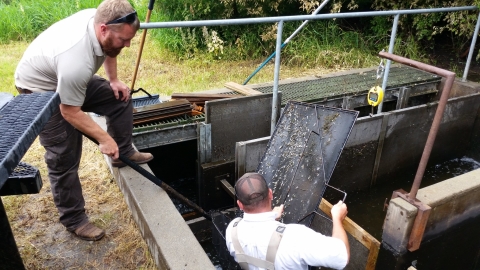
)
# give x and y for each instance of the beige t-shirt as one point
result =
(63, 58)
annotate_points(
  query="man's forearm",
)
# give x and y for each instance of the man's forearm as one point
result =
(339, 232)
(87, 126)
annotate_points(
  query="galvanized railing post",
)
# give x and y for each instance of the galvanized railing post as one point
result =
(472, 48)
(390, 50)
(276, 76)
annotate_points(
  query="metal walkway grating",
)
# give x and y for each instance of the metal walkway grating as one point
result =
(145, 100)
(21, 120)
(348, 84)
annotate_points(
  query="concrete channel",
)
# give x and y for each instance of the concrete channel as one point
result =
(379, 146)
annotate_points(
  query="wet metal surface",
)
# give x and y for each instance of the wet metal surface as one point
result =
(302, 154)
(21, 120)
(372, 201)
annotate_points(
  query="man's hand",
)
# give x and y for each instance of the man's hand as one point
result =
(339, 211)
(77, 118)
(119, 87)
(109, 147)
(278, 210)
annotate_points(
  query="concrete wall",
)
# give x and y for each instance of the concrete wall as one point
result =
(169, 239)
(452, 201)
(381, 146)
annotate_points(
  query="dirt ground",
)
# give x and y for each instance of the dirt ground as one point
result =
(45, 244)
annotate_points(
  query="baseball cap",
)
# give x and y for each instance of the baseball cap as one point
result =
(251, 188)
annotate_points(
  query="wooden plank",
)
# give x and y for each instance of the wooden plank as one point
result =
(156, 118)
(242, 89)
(201, 96)
(358, 233)
(373, 255)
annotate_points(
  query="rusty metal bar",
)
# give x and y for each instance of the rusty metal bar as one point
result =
(449, 78)
(420, 222)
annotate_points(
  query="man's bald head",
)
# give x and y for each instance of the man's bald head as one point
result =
(252, 190)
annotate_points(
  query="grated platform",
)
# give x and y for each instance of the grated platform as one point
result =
(348, 84)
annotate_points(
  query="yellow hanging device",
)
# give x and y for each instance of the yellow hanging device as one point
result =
(375, 96)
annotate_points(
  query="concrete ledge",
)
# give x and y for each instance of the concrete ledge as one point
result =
(452, 201)
(169, 239)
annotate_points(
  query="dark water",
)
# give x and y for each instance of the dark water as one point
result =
(459, 248)
(212, 253)
(367, 209)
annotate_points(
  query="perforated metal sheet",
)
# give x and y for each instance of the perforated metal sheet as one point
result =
(237, 119)
(301, 155)
(348, 84)
(21, 120)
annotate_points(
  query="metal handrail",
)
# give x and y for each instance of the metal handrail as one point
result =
(282, 19)
(298, 17)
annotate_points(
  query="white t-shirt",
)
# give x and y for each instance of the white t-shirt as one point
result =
(300, 246)
(63, 58)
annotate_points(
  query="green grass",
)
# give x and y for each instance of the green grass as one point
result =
(10, 54)
(160, 71)
(322, 46)
(23, 20)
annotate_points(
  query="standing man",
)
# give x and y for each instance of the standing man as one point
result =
(258, 241)
(65, 58)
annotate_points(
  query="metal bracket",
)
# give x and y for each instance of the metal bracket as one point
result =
(403, 96)
(341, 191)
(204, 143)
(420, 222)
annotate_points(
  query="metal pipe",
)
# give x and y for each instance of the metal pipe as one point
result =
(276, 75)
(298, 17)
(305, 22)
(390, 50)
(284, 44)
(449, 79)
(472, 48)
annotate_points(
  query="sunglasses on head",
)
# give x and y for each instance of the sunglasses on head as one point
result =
(129, 18)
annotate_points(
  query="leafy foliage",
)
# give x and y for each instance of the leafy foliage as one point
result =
(422, 28)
